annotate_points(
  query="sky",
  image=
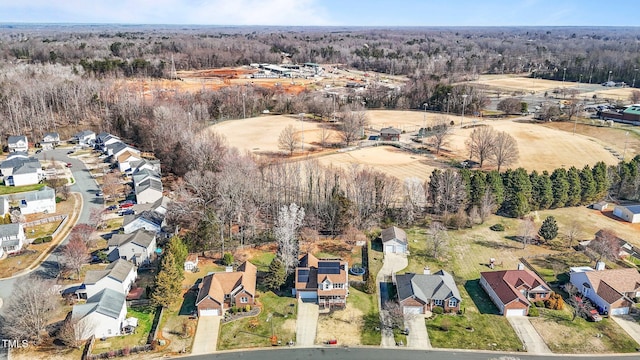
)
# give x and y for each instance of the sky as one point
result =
(383, 13)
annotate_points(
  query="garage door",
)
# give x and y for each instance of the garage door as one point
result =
(516, 312)
(388, 248)
(210, 312)
(620, 311)
(308, 294)
(412, 310)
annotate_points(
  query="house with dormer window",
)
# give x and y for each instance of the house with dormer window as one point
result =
(325, 281)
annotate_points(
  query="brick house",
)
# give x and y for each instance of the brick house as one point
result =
(513, 291)
(223, 290)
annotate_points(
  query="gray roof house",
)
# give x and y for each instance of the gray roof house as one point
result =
(148, 191)
(419, 293)
(18, 143)
(118, 276)
(153, 165)
(394, 240)
(101, 316)
(138, 247)
(12, 238)
(41, 201)
(148, 220)
(21, 171)
(86, 137)
(117, 148)
(50, 140)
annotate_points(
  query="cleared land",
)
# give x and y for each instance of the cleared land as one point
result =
(609, 93)
(519, 83)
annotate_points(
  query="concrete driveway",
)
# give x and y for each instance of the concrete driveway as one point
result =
(628, 324)
(530, 338)
(307, 323)
(206, 339)
(418, 337)
(392, 264)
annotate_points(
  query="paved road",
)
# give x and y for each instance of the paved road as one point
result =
(530, 338)
(628, 324)
(86, 186)
(392, 264)
(418, 337)
(205, 340)
(306, 324)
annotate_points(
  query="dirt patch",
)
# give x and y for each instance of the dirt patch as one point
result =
(343, 325)
(564, 339)
(289, 325)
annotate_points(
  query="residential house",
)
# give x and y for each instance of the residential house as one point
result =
(420, 293)
(629, 213)
(323, 281)
(394, 241)
(148, 191)
(191, 263)
(613, 291)
(512, 291)
(4, 207)
(41, 201)
(126, 158)
(160, 206)
(153, 165)
(103, 139)
(50, 141)
(18, 143)
(222, 290)
(138, 247)
(118, 276)
(118, 148)
(12, 238)
(148, 220)
(390, 134)
(18, 171)
(102, 316)
(85, 138)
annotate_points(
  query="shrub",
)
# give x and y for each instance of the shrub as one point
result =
(539, 303)
(555, 302)
(48, 238)
(227, 259)
(438, 310)
(247, 308)
(38, 240)
(534, 312)
(497, 227)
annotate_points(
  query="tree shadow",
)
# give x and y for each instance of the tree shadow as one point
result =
(495, 245)
(188, 306)
(376, 245)
(480, 297)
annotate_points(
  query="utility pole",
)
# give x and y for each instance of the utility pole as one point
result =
(424, 119)
(448, 101)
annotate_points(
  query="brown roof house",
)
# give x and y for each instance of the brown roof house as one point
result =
(419, 293)
(613, 291)
(223, 290)
(512, 291)
(323, 281)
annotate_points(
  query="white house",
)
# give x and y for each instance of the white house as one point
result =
(12, 238)
(148, 191)
(41, 201)
(4, 206)
(85, 138)
(118, 148)
(160, 206)
(148, 220)
(18, 171)
(138, 247)
(118, 276)
(191, 262)
(18, 143)
(613, 291)
(50, 141)
(102, 315)
(630, 213)
(153, 165)
(394, 240)
(103, 139)
(126, 158)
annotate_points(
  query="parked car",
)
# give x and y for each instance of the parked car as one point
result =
(126, 212)
(112, 207)
(126, 205)
(38, 151)
(69, 165)
(70, 152)
(99, 193)
(594, 316)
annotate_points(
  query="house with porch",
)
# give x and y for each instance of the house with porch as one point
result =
(324, 281)
(420, 293)
(513, 291)
(12, 238)
(138, 247)
(219, 291)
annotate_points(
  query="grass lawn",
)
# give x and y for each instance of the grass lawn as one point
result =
(139, 337)
(5, 190)
(114, 224)
(556, 268)
(256, 331)
(580, 336)
(472, 331)
(41, 230)
(262, 260)
(205, 266)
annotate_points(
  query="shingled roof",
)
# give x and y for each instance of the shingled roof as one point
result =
(505, 282)
(613, 284)
(107, 302)
(219, 284)
(394, 233)
(117, 270)
(437, 286)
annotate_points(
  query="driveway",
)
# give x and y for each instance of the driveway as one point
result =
(392, 264)
(530, 338)
(418, 337)
(628, 324)
(307, 323)
(206, 339)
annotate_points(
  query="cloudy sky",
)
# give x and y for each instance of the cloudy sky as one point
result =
(326, 12)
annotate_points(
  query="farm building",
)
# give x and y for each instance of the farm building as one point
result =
(390, 134)
(630, 213)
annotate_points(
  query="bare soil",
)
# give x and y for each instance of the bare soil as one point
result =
(343, 325)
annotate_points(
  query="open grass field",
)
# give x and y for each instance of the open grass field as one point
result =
(519, 83)
(609, 93)
(408, 121)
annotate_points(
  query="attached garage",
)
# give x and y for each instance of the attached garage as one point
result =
(516, 312)
(412, 310)
(308, 295)
(209, 312)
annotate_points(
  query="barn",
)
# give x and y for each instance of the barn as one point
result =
(630, 213)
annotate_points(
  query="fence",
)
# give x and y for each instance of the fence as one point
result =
(86, 352)
(154, 327)
(120, 352)
(45, 220)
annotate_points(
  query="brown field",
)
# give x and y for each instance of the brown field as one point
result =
(609, 93)
(519, 83)
(408, 121)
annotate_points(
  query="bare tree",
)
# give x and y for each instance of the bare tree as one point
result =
(414, 199)
(352, 125)
(437, 239)
(289, 139)
(446, 191)
(481, 143)
(111, 184)
(526, 231)
(75, 254)
(96, 218)
(83, 232)
(574, 231)
(393, 315)
(73, 332)
(505, 149)
(606, 244)
(487, 205)
(440, 133)
(290, 219)
(325, 135)
(32, 304)
(510, 106)
(634, 97)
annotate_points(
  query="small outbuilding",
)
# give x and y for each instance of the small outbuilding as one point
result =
(602, 206)
(630, 213)
(191, 263)
(390, 134)
(394, 240)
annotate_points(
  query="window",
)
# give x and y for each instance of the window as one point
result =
(338, 286)
(244, 300)
(585, 290)
(438, 302)
(327, 285)
(108, 331)
(453, 303)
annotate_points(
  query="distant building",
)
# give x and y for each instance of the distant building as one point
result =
(84, 138)
(50, 141)
(390, 134)
(630, 213)
(18, 143)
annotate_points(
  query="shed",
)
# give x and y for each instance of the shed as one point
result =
(630, 213)
(191, 263)
(394, 240)
(602, 206)
(390, 134)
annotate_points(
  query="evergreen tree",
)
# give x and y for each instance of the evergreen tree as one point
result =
(370, 283)
(478, 186)
(575, 187)
(588, 184)
(168, 283)
(227, 259)
(601, 180)
(518, 189)
(277, 275)
(546, 196)
(549, 229)
(494, 182)
(179, 250)
(466, 174)
(560, 186)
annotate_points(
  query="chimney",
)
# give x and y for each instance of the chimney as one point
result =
(426, 270)
(520, 266)
(600, 265)
(228, 268)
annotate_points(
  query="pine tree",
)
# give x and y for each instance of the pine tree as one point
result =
(588, 184)
(179, 250)
(601, 180)
(478, 186)
(277, 275)
(546, 188)
(575, 187)
(549, 229)
(518, 189)
(168, 283)
(494, 182)
(370, 283)
(560, 188)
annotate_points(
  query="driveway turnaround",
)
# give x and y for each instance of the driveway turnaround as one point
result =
(206, 339)
(392, 263)
(307, 323)
(530, 338)
(628, 324)
(418, 337)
